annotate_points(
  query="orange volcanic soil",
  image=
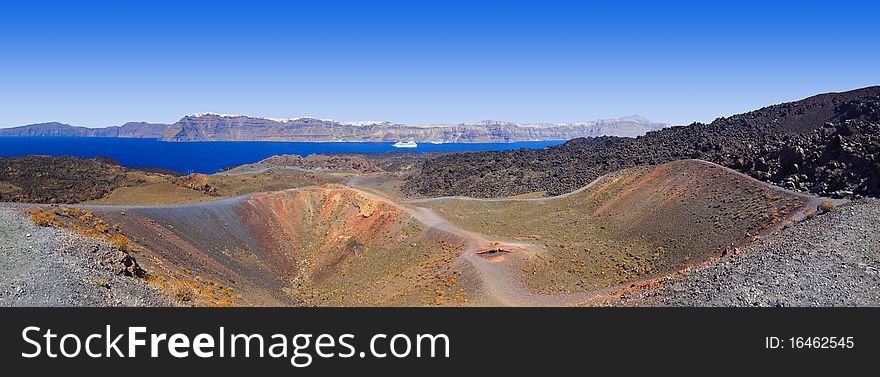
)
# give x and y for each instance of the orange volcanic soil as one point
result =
(340, 246)
(317, 246)
(631, 225)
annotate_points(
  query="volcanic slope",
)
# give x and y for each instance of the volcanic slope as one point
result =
(827, 145)
(631, 225)
(828, 260)
(338, 246)
(65, 179)
(317, 246)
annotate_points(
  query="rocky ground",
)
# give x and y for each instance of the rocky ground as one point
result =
(829, 260)
(826, 145)
(45, 266)
(65, 179)
(350, 163)
(339, 245)
(630, 225)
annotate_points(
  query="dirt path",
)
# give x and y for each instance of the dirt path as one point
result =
(503, 279)
(500, 275)
(267, 169)
(500, 272)
(582, 189)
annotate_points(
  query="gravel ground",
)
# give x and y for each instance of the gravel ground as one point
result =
(41, 266)
(830, 260)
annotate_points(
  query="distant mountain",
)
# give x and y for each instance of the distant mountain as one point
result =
(222, 127)
(139, 129)
(55, 129)
(217, 127)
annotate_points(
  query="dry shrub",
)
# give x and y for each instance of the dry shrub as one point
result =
(85, 222)
(195, 291)
(197, 182)
(809, 213)
(80, 221)
(827, 206)
(44, 217)
(119, 242)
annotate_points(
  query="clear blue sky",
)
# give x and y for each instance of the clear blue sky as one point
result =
(98, 64)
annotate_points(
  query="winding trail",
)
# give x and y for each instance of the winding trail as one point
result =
(499, 274)
(268, 169)
(593, 182)
(504, 280)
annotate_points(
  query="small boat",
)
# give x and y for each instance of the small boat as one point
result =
(405, 144)
(436, 142)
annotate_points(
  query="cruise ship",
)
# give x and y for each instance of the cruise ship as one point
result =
(405, 144)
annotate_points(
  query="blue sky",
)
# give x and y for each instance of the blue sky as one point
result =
(105, 63)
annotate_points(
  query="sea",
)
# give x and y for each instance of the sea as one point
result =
(211, 156)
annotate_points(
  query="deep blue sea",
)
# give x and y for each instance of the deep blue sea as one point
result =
(210, 157)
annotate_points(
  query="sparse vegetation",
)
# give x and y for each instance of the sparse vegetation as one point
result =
(632, 225)
(187, 288)
(118, 241)
(57, 180)
(826, 206)
(86, 223)
(809, 213)
(198, 182)
(44, 217)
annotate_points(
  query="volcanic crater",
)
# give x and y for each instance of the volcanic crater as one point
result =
(336, 245)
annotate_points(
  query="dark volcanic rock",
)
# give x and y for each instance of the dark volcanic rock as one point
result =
(826, 144)
(64, 179)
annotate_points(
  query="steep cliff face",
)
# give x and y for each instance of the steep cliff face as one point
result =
(44, 129)
(215, 127)
(55, 129)
(138, 130)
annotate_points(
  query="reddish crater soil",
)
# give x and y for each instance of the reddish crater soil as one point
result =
(329, 245)
(628, 226)
(336, 245)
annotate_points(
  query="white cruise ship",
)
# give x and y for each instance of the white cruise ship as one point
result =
(405, 144)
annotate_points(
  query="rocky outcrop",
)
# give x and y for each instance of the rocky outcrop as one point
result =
(838, 160)
(198, 182)
(58, 266)
(318, 162)
(826, 145)
(64, 179)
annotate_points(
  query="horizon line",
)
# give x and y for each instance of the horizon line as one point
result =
(344, 122)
